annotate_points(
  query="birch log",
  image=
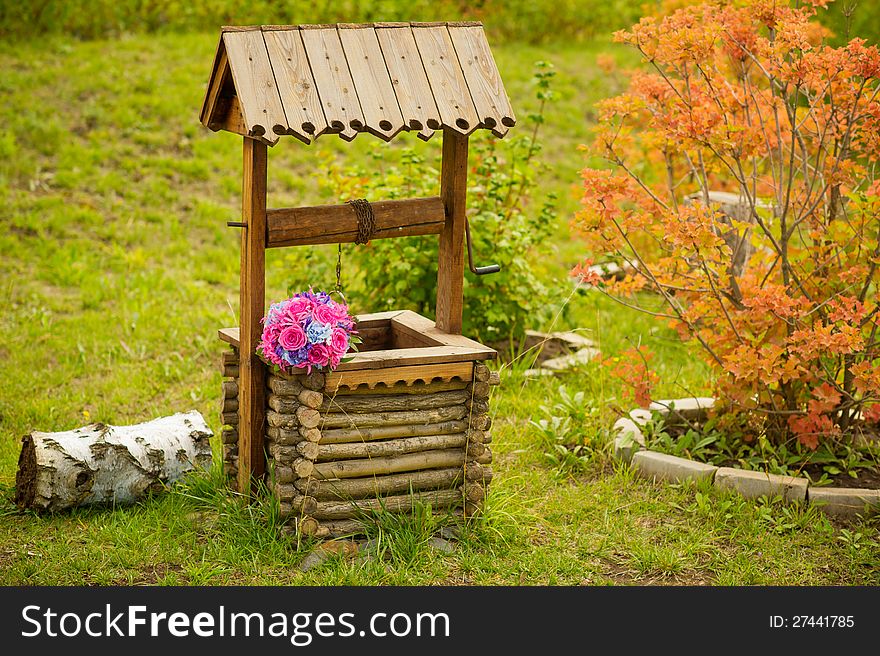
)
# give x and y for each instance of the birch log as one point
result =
(396, 504)
(389, 465)
(363, 434)
(109, 464)
(388, 403)
(410, 418)
(352, 450)
(374, 486)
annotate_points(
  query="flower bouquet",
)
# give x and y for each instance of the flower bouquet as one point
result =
(308, 330)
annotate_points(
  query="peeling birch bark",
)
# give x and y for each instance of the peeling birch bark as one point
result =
(100, 464)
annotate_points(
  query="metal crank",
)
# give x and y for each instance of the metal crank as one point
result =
(478, 271)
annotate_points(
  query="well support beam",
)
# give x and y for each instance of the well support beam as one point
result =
(252, 376)
(450, 268)
(331, 224)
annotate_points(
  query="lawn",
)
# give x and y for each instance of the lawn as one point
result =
(117, 268)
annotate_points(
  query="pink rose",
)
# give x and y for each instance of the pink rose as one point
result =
(296, 311)
(319, 355)
(292, 338)
(339, 342)
(271, 332)
(340, 310)
(325, 314)
(268, 350)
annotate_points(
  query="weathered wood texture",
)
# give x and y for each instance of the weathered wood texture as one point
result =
(414, 95)
(100, 464)
(296, 86)
(252, 377)
(376, 452)
(448, 357)
(394, 504)
(412, 444)
(375, 486)
(408, 357)
(426, 373)
(451, 93)
(333, 80)
(390, 465)
(380, 78)
(344, 528)
(415, 325)
(405, 417)
(490, 99)
(367, 433)
(402, 388)
(388, 403)
(255, 85)
(450, 268)
(229, 398)
(331, 224)
(372, 82)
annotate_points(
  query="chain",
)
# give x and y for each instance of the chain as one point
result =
(339, 269)
(366, 227)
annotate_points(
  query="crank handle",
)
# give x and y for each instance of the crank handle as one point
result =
(477, 271)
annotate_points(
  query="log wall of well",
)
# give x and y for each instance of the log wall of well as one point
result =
(336, 458)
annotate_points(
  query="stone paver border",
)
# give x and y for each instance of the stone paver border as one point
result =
(629, 446)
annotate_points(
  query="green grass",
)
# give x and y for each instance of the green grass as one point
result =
(116, 269)
(523, 20)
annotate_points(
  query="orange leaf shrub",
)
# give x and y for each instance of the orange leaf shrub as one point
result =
(746, 99)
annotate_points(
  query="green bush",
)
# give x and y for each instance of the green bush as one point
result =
(531, 21)
(522, 20)
(509, 227)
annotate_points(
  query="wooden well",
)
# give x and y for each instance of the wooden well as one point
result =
(407, 419)
(370, 437)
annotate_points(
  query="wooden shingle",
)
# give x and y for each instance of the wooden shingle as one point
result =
(293, 74)
(381, 78)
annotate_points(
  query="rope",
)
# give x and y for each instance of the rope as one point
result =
(366, 220)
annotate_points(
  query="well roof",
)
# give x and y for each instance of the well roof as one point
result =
(381, 78)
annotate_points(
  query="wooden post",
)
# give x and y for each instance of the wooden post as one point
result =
(450, 268)
(252, 371)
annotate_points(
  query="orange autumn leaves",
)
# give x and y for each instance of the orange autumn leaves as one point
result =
(745, 98)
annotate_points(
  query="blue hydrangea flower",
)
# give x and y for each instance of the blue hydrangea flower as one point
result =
(318, 333)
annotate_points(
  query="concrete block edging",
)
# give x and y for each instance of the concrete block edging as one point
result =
(629, 447)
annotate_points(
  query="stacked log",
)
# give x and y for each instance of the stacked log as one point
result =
(336, 458)
(292, 442)
(477, 472)
(229, 411)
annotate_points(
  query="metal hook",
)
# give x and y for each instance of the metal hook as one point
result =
(479, 271)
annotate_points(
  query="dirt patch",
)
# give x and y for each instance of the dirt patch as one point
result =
(152, 574)
(23, 231)
(867, 478)
(621, 575)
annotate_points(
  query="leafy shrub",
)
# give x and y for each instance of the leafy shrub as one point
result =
(523, 20)
(719, 442)
(506, 226)
(528, 21)
(570, 433)
(780, 295)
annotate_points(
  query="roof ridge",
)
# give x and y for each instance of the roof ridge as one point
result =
(319, 26)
